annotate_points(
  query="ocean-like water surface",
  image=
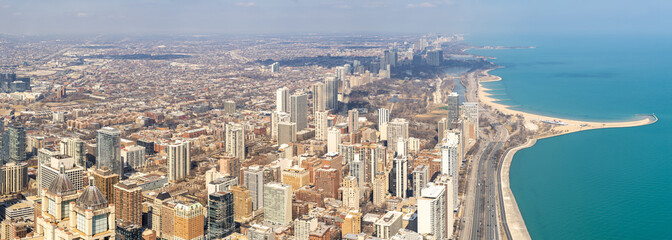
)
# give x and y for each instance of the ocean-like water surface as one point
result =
(598, 184)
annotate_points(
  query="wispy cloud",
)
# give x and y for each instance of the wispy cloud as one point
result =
(245, 4)
(82, 14)
(421, 5)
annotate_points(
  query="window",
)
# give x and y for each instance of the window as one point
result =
(99, 223)
(52, 207)
(81, 222)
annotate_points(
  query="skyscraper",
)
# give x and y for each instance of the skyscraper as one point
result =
(434, 57)
(179, 160)
(319, 97)
(235, 140)
(420, 179)
(443, 126)
(303, 225)
(328, 179)
(282, 100)
(254, 181)
(189, 221)
(286, 132)
(333, 140)
(128, 202)
(397, 128)
(379, 188)
(383, 117)
(49, 168)
(351, 194)
(331, 83)
(399, 177)
(242, 202)
(299, 111)
(353, 120)
(229, 107)
(276, 118)
(108, 147)
(220, 215)
(450, 162)
(321, 125)
(105, 179)
(433, 213)
(453, 107)
(17, 143)
(13, 178)
(277, 203)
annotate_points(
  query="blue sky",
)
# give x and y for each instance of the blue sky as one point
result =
(333, 16)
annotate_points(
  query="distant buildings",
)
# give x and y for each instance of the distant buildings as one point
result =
(433, 213)
(13, 178)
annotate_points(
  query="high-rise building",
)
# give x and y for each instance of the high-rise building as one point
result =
(298, 113)
(76, 148)
(105, 179)
(179, 160)
(69, 214)
(379, 188)
(17, 143)
(399, 177)
(321, 125)
(351, 193)
(319, 97)
(453, 107)
(235, 140)
(331, 84)
(282, 100)
(242, 202)
(444, 125)
(358, 169)
(49, 168)
(229, 107)
(434, 57)
(189, 221)
(420, 179)
(296, 177)
(353, 121)
(397, 128)
(389, 224)
(352, 223)
(383, 117)
(275, 67)
(133, 156)
(13, 178)
(328, 179)
(341, 73)
(277, 203)
(303, 225)
(108, 147)
(254, 181)
(333, 139)
(433, 215)
(286, 132)
(389, 58)
(220, 215)
(277, 118)
(128, 202)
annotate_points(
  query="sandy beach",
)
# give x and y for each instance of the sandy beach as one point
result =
(513, 217)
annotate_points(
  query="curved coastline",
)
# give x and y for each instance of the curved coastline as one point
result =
(514, 218)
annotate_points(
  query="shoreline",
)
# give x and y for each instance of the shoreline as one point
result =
(514, 218)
